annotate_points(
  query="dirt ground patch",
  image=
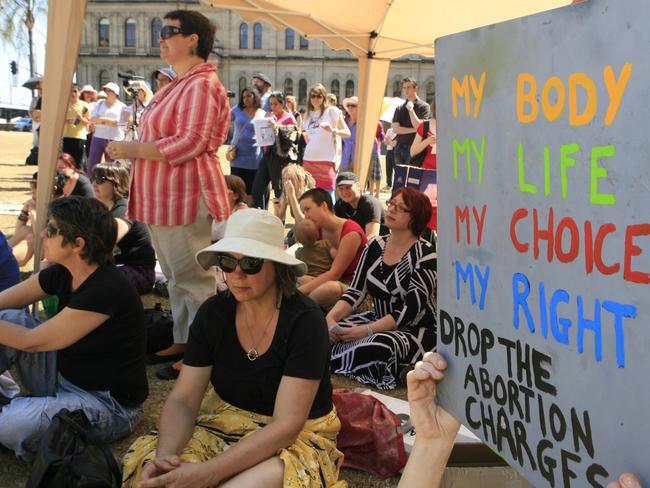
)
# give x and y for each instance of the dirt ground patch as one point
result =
(14, 190)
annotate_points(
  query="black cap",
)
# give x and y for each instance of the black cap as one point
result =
(346, 178)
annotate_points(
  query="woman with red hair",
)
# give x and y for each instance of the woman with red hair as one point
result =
(399, 272)
(76, 183)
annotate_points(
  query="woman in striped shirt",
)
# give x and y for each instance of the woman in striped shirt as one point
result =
(399, 272)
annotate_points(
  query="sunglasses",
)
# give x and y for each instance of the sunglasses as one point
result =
(51, 230)
(99, 180)
(170, 31)
(248, 265)
(315, 95)
(391, 205)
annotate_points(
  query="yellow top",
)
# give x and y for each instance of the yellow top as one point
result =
(73, 127)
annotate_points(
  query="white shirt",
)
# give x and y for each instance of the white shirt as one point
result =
(115, 112)
(322, 145)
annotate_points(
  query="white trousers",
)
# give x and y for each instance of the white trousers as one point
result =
(188, 283)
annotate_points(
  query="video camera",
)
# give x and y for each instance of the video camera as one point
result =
(132, 83)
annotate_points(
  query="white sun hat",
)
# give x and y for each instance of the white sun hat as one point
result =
(255, 233)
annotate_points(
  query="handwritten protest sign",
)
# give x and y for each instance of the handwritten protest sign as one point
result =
(544, 253)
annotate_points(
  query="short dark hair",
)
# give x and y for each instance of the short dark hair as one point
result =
(419, 207)
(318, 196)
(256, 97)
(89, 219)
(193, 22)
(285, 279)
(118, 175)
(279, 96)
(408, 79)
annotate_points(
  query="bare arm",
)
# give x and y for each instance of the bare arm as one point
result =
(436, 428)
(372, 229)
(399, 130)
(134, 150)
(293, 402)
(61, 331)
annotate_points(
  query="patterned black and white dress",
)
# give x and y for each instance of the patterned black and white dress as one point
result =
(407, 291)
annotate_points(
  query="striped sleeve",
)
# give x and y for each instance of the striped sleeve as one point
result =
(358, 289)
(198, 114)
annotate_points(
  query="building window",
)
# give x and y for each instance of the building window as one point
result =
(431, 92)
(156, 25)
(242, 84)
(304, 43)
(397, 88)
(129, 33)
(288, 86)
(243, 36)
(349, 88)
(103, 78)
(302, 92)
(257, 36)
(104, 35)
(335, 88)
(289, 38)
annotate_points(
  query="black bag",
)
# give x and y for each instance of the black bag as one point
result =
(159, 325)
(32, 158)
(70, 456)
(418, 159)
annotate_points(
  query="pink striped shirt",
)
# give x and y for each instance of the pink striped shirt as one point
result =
(188, 120)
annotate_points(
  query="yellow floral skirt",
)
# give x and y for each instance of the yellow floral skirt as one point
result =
(310, 461)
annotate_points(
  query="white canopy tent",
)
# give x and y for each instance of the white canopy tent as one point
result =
(378, 31)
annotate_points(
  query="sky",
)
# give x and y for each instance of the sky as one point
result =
(18, 95)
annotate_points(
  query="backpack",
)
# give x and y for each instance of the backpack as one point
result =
(71, 456)
(371, 436)
(159, 327)
(418, 159)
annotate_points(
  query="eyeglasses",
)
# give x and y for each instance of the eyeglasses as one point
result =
(248, 265)
(391, 205)
(315, 95)
(170, 31)
(99, 180)
(351, 106)
(51, 230)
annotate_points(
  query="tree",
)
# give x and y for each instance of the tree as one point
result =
(17, 19)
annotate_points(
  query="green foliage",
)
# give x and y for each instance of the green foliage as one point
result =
(17, 20)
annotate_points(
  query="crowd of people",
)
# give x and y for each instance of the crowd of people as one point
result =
(257, 326)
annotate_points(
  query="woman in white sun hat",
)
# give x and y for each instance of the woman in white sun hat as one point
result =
(268, 419)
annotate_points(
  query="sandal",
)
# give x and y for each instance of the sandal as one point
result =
(168, 373)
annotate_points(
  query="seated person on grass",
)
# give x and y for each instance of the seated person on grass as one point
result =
(262, 350)
(347, 239)
(399, 272)
(90, 355)
(365, 210)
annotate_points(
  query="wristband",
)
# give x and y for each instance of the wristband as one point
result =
(370, 332)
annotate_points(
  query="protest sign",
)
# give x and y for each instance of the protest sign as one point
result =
(544, 244)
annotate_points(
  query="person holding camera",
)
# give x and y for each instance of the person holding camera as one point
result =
(177, 186)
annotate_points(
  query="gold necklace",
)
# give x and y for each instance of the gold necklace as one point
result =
(252, 353)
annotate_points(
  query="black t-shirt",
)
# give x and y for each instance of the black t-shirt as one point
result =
(83, 188)
(369, 209)
(111, 357)
(135, 248)
(422, 110)
(300, 349)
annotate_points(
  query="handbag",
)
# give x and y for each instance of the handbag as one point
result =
(418, 159)
(71, 456)
(371, 436)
